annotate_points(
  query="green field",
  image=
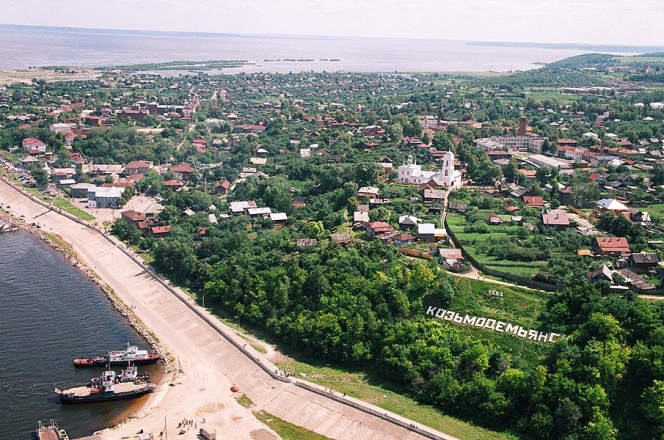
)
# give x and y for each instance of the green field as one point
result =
(517, 305)
(66, 206)
(471, 240)
(286, 430)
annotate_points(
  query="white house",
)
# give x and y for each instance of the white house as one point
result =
(59, 127)
(368, 191)
(104, 197)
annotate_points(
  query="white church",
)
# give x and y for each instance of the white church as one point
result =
(411, 173)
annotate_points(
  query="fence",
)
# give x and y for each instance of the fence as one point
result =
(415, 253)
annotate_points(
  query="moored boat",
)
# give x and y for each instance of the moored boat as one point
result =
(50, 431)
(106, 388)
(120, 357)
(130, 374)
(7, 227)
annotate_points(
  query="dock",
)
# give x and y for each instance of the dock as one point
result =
(50, 431)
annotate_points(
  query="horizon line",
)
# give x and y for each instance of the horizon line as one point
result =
(577, 45)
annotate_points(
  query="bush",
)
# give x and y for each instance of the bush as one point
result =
(479, 227)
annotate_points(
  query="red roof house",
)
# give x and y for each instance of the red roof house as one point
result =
(183, 170)
(610, 245)
(533, 201)
(34, 144)
(378, 228)
(555, 219)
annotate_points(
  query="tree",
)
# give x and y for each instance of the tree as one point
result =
(511, 170)
(474, 360)
(40, 176)
(421, 279)
(653, 402)
(443, 141)
(395, 132)
(379, 214)
(584, 193)
(657, 174)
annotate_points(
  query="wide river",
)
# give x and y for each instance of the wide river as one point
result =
(24, 46)
(49, 314)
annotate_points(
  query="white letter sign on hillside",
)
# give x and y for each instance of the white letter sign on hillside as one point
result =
(492, 324)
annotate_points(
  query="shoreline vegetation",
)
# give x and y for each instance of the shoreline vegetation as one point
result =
(173, 65)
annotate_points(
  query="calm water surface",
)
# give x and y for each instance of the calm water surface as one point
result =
(33, 46)
(49, 314)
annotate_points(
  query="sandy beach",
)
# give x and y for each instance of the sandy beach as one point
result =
(206, 357)
(48, 75)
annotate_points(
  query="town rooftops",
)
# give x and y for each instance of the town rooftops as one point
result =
(102, 168)
(182, 168)
(602, 272)
(434, 193)
(645, 258)
(450, 254)
(361, 216)
(160, 229)
(380, 227)
(306, 242)
(611, 205)
(533, 200)
(368, 190)
(408, 220)
(612, 244)
(107, 192)
(133, 216)
(32, 142)
(278, 216)
(259, 211)
(239, 207)
(426, 229)
(555, 218)
(82, 186)
(136, 164)
(404, 237)
(340, 238)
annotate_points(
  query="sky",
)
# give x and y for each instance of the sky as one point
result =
(625, 22)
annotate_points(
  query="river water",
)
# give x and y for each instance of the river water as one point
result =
(25, 46)
(49, 314)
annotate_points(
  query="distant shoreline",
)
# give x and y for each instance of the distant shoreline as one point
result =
(638, 49)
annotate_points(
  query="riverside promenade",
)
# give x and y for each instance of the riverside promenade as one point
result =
(207, 357)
